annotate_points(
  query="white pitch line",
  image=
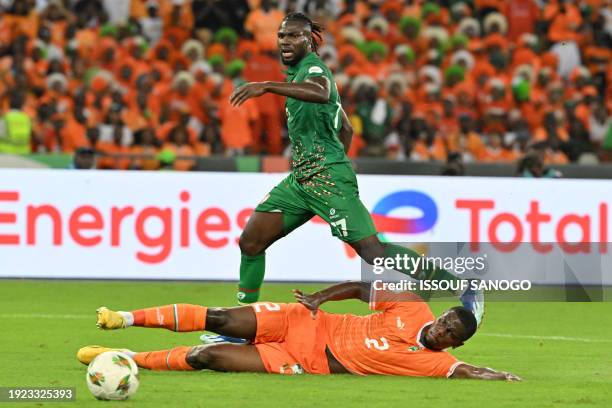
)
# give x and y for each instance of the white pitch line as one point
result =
(532, 337)
(45, 316)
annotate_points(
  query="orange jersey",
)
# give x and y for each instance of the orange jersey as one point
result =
(388, 342)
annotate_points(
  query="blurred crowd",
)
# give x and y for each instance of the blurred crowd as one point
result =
(146, 82)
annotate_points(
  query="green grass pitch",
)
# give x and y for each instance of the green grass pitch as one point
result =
(562, 350)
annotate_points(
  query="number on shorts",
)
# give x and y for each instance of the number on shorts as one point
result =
(272, 307)
(374, 342)
(341, 224)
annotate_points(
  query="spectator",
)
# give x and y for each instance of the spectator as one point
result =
(375, 114)
(454, 165)
(146, 151)
(532, 165)
(413, 76)
(264, 66)
(16, 127)
(466, 141)
(263, 24)
(84, 159)
(115, 152)
(238, 122)
(495, 151)
(178, 144)
(152, 24)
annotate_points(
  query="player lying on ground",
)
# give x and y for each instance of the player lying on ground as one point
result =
(405, 339)
(322, 180)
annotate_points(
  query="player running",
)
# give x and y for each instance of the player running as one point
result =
(405, 339)
(322, 181)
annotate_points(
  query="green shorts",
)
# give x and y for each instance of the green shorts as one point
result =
(332, 194)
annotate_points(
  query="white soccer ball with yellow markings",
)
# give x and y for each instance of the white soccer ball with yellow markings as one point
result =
(112, 376)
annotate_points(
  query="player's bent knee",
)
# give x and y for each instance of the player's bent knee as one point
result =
(217, 318)
(198, 357)
(207, 356)
(250, 246)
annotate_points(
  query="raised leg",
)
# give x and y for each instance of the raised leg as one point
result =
(262, 230)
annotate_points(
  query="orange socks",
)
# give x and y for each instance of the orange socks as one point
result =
(164, 360)
(177, 317)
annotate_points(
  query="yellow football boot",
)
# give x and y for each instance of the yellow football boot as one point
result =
(109, 319)
(86, 354)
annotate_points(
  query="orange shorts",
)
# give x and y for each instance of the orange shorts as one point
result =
(289, 340)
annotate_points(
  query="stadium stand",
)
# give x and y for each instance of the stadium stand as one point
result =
(146, 83)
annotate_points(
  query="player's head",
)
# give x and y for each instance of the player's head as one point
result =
(453, 328)
(297, 36)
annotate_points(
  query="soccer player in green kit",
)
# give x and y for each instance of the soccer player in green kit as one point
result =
(322, 181)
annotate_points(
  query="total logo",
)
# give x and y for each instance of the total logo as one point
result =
(400, 225)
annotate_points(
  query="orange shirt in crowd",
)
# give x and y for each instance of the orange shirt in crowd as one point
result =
(522, 16)
(564, 25)
(199, 98)
(145, 163)
(541, 135)
(492, 154)
(470, 143)
(265, 68)
(185, 14)
(164, 131)
(422, 152)
(482, 4)
(117, 163)
(73, 135)
(264, 26)
(236, 123)
(557, 157)
(22, 25)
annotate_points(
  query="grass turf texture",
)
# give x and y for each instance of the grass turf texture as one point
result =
(39, 350)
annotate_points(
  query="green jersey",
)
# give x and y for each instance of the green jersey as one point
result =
(313, 127)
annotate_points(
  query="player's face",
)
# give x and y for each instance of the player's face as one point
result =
(293, 41)
(445, 331)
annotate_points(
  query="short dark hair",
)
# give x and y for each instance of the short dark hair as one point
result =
(315, 28)
(468, 321)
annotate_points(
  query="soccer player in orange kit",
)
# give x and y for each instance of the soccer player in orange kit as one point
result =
(404, 339)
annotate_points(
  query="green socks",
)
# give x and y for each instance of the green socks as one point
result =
(252, 270)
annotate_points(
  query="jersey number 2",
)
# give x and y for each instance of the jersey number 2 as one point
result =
(272, 307)
(374, 343)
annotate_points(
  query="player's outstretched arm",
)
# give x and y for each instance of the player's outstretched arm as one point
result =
(341, 291)
(346, 132)
(482, 373)
(314, 90)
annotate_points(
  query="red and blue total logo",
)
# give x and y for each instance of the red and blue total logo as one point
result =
(386, 223)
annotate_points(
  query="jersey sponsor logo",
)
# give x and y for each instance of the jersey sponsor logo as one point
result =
(315, 70)
(291, 369)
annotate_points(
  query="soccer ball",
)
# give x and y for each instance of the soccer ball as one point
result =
(112, 376)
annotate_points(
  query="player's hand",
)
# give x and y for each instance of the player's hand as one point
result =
(311, 302)
(511, 377)
(247, 91)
